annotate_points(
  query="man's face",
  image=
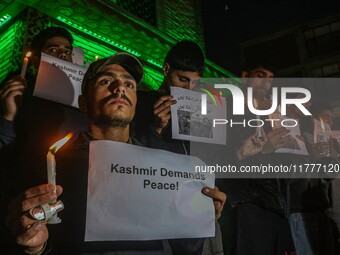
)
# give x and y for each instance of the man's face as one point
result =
(182, 79)
(260, 79)
(58, 47)
(327, 116)
(111, 97)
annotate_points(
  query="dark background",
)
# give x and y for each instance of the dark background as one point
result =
(248, 19)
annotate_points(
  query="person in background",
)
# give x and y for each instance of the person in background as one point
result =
(54, 41)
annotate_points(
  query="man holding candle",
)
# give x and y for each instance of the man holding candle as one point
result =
(109, 99)
(54, 41)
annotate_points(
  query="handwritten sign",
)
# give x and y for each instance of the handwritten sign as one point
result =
(188, 123)
(137, 193)
(59, 80)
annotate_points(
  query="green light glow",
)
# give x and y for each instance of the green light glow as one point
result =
(151, 61)
(7, 45)
(152, 78)
(102, 38)
(4, 19)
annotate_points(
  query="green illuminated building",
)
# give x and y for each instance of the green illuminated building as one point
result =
(144, 28)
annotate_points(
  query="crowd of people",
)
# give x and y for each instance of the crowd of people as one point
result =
(261, 216)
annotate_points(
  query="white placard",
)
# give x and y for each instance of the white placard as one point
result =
(137, 193)
(296, 143)
(188, 123)
(78, 56)
(59, 80)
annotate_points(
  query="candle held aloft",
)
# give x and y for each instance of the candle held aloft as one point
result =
(24, 65)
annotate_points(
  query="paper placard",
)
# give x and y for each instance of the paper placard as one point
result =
(78, 56)
(137, 193)
(59, 80)
(188, 123)
(296, 143)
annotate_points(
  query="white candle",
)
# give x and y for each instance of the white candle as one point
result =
(24, 65)
(323, 130)
(51, 168)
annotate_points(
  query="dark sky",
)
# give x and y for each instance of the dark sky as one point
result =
(247, 19)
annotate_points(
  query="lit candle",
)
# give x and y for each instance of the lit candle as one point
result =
(323, 130)
(24, 65)
(96, 58)
(51, 167)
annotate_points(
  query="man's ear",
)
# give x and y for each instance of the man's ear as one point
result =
(166, 69)
(82, 103)
(244, 75)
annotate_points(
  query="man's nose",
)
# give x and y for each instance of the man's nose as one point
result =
(62, 55)
(117, 86)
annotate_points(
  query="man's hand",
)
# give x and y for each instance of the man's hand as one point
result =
(219, 199)
(10, 96)
(276, 139)
(251, 146)
(161, 110)
(29, 232)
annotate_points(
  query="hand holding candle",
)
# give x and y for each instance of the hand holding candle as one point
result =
(51, 167)
(24, 65)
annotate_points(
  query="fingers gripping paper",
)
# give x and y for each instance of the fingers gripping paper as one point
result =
(136, 193)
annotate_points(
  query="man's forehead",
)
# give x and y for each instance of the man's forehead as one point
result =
(261, 69)
(57, 40)
(114, 70)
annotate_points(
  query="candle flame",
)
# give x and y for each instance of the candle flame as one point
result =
(55, 147)
(96, 58)
(322, 124)
(28, 54)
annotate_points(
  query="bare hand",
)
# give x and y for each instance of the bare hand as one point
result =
(251, 146)
(27, 231)
(320, 150)
(10, 96)
(161, 110)
(276, 139)
(219, 199)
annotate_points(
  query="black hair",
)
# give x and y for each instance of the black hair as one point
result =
(186, 56)
(252, 63)
(39, 40)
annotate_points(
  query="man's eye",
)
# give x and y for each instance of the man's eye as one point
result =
(183, 79)
(68, 52)
(130, 85)
(105, 82)
(53, 50)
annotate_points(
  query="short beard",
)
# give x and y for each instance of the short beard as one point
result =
(114, 122)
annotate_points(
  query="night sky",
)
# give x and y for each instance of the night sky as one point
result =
(247, 19)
